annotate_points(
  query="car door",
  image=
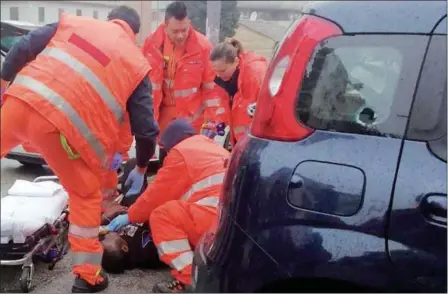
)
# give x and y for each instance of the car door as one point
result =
(417, 237)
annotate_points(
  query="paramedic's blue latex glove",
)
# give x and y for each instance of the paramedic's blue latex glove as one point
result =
(135, 180)
(117, 160)
(209, 130)
(118, 222)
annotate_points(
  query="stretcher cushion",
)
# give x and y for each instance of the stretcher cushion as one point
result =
(30, 207)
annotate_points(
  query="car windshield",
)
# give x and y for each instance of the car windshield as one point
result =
(9, 41)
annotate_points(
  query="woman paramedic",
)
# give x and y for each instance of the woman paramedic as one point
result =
(239, 75)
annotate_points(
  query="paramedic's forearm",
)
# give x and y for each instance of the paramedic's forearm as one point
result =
(26, 50)
(144, 150)
(143, 125)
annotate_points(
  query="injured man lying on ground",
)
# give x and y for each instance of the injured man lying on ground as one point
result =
(129, 248)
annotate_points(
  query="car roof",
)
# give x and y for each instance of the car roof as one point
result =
(20, 24)
(411, 17)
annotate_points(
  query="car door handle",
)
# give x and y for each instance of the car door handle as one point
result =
(434, 208)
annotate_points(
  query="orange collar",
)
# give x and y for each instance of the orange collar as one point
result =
(124, 25)
(191, 46)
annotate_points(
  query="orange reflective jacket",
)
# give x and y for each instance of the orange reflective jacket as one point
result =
(81, 82)
(192, 171)
(193, 79)
(252, 71)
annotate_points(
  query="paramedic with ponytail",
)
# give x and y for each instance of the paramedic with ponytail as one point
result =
(78, 84)
(239, 75)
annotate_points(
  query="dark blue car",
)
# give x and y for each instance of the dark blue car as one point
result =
(341, 185)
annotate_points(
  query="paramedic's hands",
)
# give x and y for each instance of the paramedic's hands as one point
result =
(135, 180)
(118, 222)
(209, 130)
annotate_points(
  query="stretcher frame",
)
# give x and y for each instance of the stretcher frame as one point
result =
(57, 237)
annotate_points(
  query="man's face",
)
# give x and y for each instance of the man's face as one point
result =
(177, 30)
(114, 242)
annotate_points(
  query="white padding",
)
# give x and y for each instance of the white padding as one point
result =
(30, 207)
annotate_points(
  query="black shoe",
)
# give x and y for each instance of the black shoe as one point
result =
(81, 286)
(173, 286)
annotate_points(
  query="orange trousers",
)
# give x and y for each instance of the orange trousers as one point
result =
(21, 123)
(176, 228)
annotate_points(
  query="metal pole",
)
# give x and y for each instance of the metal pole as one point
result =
(213, 21)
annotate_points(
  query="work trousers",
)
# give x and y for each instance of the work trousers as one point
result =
(21, 123)
(176, 228)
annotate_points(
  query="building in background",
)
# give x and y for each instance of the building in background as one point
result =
(43, 12)
(261, 36)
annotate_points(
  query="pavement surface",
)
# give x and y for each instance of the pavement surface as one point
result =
(60, 279)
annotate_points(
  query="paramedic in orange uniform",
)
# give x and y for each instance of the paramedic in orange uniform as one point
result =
(181, 203)
(181, 74)
(239, 75)
(74, 93)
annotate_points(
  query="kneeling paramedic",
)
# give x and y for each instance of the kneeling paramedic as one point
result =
(181, 203)
(73, 90)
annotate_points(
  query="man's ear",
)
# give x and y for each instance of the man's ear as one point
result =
(125, 248)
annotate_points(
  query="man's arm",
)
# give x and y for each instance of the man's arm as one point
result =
(26, 50)
(170, 182)
(143, 125)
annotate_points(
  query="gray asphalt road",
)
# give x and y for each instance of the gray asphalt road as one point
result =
(60, 279)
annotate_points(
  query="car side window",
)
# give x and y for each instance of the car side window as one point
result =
(361, 84)
(428, 116)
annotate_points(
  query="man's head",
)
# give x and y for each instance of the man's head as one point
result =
(127, 14)
(176, 131)
(115, 252)
(177, 23)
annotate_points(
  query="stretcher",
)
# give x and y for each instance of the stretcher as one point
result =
(34, 226)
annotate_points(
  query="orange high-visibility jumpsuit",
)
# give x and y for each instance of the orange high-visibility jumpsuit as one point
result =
(73, 96)
(181, 203)
(182, 78)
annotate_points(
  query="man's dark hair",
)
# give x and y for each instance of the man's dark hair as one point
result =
(113, 261)
(176, 9)
(127, 14)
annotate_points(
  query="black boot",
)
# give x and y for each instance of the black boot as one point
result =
(81, 286)
(173, 286)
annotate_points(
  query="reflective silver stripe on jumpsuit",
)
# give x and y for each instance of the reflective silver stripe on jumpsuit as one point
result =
(185, 92)
(212, 102)
(174, 246)
(65, 108)
(85, 72)
(239, 129)
(85, 233)
(204, 183)
(155, 86)
(84, 257)
(182, 261)
(209, 201)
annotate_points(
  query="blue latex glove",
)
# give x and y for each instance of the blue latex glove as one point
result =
(209, 133)
(135, 180)
(117, 160)
(118, 222)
